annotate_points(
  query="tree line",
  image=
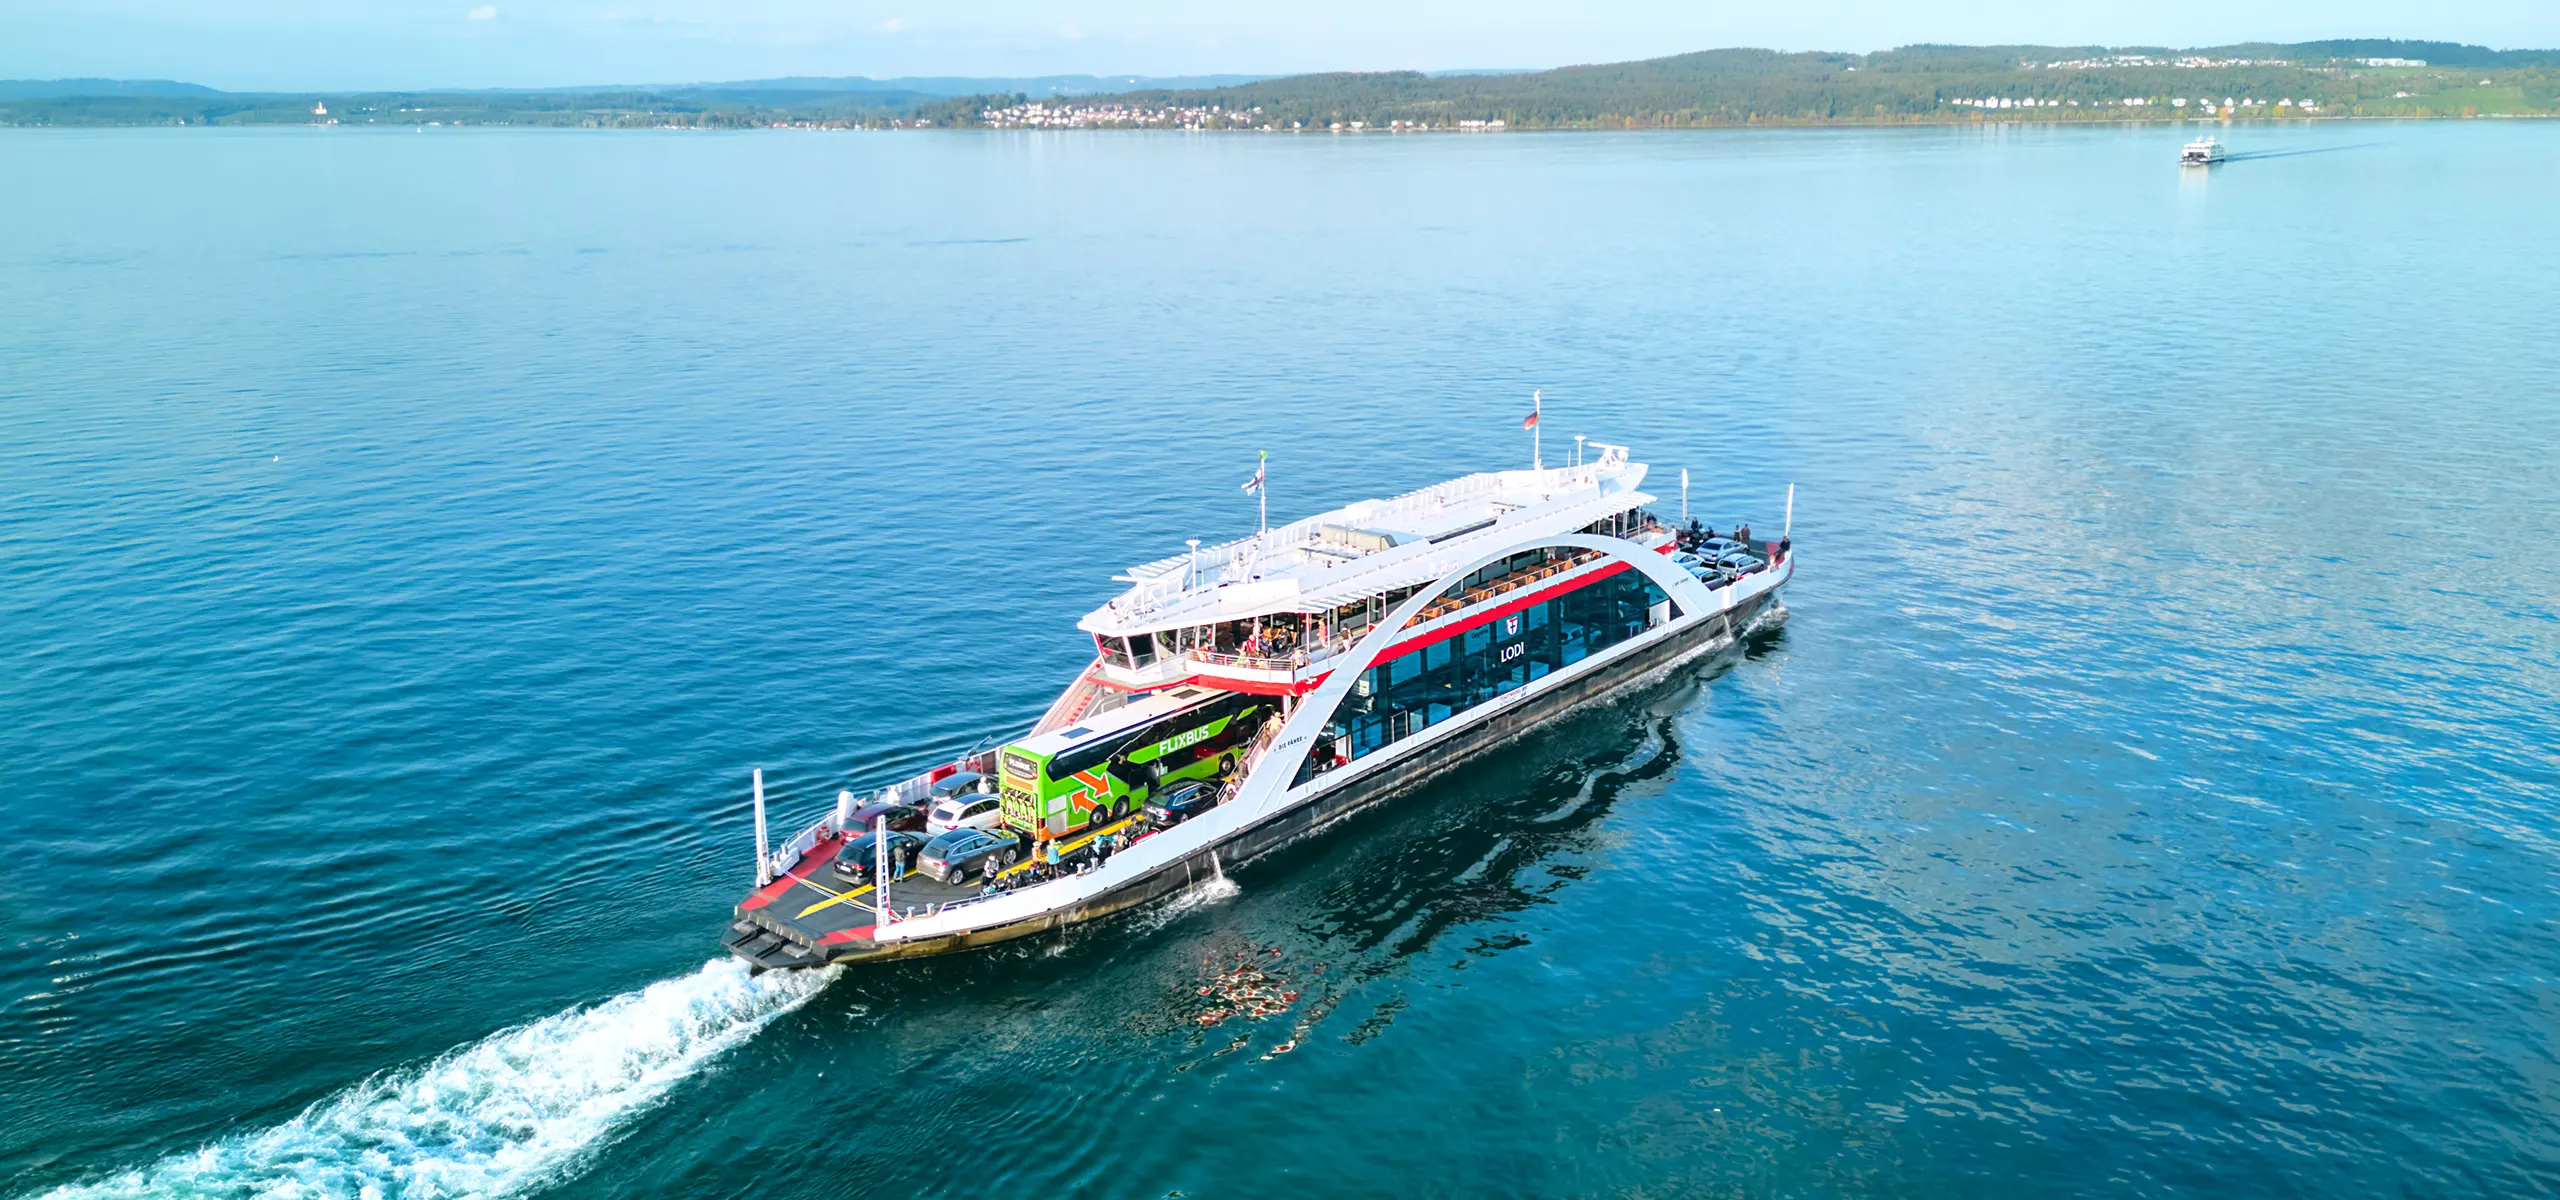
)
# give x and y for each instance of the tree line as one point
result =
(1923, 83)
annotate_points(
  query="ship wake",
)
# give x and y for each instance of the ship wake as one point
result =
(518, 1108)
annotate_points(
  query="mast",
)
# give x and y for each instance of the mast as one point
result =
(880, 861)
(764, 861)
(1255, 485)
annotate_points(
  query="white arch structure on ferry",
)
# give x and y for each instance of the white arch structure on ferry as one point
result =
(1261, 797)
(1266, 790)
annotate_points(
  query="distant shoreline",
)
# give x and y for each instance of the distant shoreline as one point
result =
(894, 127)
(2350, 79)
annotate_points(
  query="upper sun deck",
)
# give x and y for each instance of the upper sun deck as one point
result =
(1371, 547)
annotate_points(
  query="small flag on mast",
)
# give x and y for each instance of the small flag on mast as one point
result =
(1256, 487)
(1537, 404)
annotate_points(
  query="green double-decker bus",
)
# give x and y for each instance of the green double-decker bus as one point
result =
(1105, 767)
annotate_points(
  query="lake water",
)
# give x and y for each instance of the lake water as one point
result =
(410, 541)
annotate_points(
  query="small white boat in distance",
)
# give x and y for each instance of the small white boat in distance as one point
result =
(2202, 152)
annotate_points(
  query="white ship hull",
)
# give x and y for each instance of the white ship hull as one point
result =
(1491, 627)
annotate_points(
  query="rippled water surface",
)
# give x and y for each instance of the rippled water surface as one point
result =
(408, 544)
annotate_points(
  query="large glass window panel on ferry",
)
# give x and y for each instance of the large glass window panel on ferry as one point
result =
(1415, 691)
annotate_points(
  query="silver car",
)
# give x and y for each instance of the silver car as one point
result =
(975, 810)
(951, 857)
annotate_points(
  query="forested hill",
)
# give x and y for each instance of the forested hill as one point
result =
(1913, 84)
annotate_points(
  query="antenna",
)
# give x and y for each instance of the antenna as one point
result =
(1786, 531)
(1684, 496)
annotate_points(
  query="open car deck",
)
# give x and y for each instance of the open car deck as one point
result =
(810, 914)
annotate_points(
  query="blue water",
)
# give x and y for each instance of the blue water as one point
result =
(409, 543)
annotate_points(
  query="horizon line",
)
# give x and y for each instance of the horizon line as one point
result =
(1233, 78)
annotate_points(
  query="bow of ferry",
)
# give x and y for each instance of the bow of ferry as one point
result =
(1299, 675)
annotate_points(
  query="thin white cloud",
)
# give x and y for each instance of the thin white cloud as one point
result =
(486, 12)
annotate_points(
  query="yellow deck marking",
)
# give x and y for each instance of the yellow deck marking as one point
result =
(838, 898)
(845, 897)
(1039, 855)
(1068, 847)
(819, 888)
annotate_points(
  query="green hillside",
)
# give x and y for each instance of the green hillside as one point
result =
(1913, 84)
(1909, 85)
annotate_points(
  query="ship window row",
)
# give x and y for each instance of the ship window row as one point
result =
(1623, 524)
(1502, 576)
(1277, 635)
(1272, 635)
(1397, 699)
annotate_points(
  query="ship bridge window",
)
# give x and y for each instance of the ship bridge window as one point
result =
(1272, 635)
(1399, 698)
(1623, 524)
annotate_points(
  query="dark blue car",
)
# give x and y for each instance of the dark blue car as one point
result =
(856, 860)
(1181, 803)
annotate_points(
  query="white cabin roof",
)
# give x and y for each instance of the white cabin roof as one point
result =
(1375, 546)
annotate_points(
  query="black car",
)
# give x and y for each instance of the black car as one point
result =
(952, 856)
(1181, 803)
(856, 860)
(906, 817)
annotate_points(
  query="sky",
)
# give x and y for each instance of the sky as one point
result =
(320, 45)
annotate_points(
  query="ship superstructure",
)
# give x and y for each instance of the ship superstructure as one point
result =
(1244, 694)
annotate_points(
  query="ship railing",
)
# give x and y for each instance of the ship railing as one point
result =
(1252, 756)
(1167, 580)
(805, 841)
(1250, 662)
(787, 856)
(1072, 703)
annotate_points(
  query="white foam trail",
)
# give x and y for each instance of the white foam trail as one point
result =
(1199, 895)
(493, 1117)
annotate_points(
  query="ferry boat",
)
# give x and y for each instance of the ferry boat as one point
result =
(1248, 694)
(2202, 152)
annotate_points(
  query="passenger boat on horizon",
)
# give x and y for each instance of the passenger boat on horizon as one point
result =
(1248, 694)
